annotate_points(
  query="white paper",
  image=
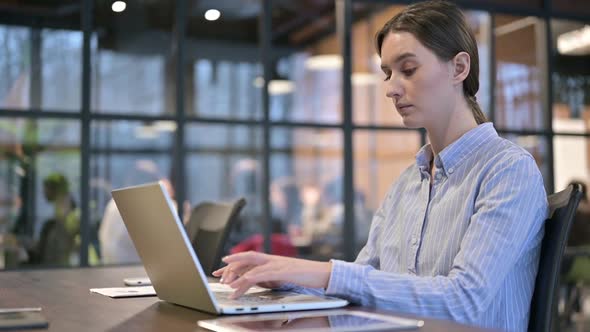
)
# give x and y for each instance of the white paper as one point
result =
(135, 291)
(117, 292)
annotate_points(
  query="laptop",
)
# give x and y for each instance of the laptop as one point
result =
(174, 269)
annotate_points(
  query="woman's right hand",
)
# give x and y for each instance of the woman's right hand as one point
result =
(244, 270)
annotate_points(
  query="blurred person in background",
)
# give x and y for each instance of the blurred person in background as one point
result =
(59, 237)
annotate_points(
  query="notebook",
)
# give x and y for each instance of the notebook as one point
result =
(174, 269)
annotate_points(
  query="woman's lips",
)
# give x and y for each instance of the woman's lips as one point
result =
(403, 109)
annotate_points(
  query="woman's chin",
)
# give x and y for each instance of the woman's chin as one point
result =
(411, 123)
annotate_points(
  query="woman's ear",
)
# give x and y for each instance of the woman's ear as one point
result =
(461, 66)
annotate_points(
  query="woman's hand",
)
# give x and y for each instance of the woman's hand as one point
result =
(244, 270)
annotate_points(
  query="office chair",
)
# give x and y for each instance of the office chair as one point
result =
(208, 229)
(562, 209)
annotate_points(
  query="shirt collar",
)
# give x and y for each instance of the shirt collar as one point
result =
(452, 156)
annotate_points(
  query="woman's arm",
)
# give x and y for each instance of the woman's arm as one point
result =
(298, 275)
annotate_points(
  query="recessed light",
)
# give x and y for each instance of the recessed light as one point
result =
(118, 6)
(212, 15)
(575, 42)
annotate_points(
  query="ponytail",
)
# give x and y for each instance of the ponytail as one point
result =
(476, 110)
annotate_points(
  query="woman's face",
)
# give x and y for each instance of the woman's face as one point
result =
(418, 83)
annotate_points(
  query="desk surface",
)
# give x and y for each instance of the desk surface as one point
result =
(69, 306)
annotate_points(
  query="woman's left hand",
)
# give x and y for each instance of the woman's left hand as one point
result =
(244, 270)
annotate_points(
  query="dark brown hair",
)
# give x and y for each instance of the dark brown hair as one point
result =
(441, 27)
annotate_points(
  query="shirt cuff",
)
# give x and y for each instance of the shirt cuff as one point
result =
(291, 287)
(347, 280)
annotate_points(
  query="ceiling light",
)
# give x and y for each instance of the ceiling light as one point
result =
(212, 15)
(276, 86)
(118, 6)
(324, 62)
(164, 126)
(575, 42)
(280, 87)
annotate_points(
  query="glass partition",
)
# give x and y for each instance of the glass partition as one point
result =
(123, 153)
(39, 192)
(224, 163)
(306, 191)
(521, 78)
(33, 61)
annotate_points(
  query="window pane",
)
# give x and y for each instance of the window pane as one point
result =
(41, 69)
(133, 67)
(39, 192)
(379, 159)
(223, 61)
(520, 72)
(226, 89)
(306, 85)
(306, 190)
(224, 163)
(61, 62)
(571, 77)
(124, 153)
(571, 160)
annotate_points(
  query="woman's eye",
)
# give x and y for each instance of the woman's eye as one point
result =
(409, 72)
(387, 77)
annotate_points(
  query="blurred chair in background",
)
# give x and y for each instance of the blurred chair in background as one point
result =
(208, 230)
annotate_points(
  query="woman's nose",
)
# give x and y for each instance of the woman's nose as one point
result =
(393, 90)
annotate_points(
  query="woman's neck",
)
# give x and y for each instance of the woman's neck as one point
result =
(445, 132)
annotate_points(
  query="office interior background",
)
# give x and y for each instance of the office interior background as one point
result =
(278, 101)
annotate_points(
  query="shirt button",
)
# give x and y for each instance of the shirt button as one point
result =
(451, 170)
(437, 176)
(414, 241)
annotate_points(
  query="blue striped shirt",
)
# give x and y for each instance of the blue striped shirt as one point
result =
(466, 248)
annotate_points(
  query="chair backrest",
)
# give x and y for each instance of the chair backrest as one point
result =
(208, 229)
(562, 209)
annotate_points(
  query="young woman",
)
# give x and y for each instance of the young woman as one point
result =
(458, 235)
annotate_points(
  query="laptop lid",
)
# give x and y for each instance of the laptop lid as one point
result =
(173, 267)
(163, 246)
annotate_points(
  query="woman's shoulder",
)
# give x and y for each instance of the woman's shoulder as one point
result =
(507, 158)
(507, 151)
